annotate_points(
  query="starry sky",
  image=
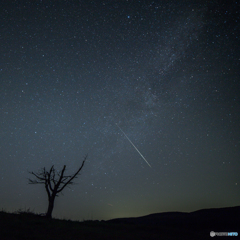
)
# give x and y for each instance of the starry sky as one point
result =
(77, 77)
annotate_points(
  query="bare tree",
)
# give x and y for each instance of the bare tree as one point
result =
(54, 183)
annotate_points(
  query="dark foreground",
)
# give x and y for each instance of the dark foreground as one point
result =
(171, 225)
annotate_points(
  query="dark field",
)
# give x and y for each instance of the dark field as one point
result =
(171, 225)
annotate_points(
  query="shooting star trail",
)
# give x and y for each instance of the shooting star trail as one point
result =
(134, 146)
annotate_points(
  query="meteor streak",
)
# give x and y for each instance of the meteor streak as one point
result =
(134, 146)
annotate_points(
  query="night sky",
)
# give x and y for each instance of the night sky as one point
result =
(77, 77)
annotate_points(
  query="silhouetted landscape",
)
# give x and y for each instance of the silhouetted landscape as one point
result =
(168, 225)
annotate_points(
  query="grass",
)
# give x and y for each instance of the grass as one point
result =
(25, 224)
(28, 225)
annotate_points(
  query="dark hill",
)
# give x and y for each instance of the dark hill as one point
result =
(201, 222)
(213, 217)
(170, 225)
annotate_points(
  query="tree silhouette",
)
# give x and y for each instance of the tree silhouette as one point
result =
(54, 182)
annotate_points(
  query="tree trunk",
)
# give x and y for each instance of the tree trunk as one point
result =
(50, 206)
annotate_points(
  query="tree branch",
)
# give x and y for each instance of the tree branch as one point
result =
(69, 181)
(52, 185)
